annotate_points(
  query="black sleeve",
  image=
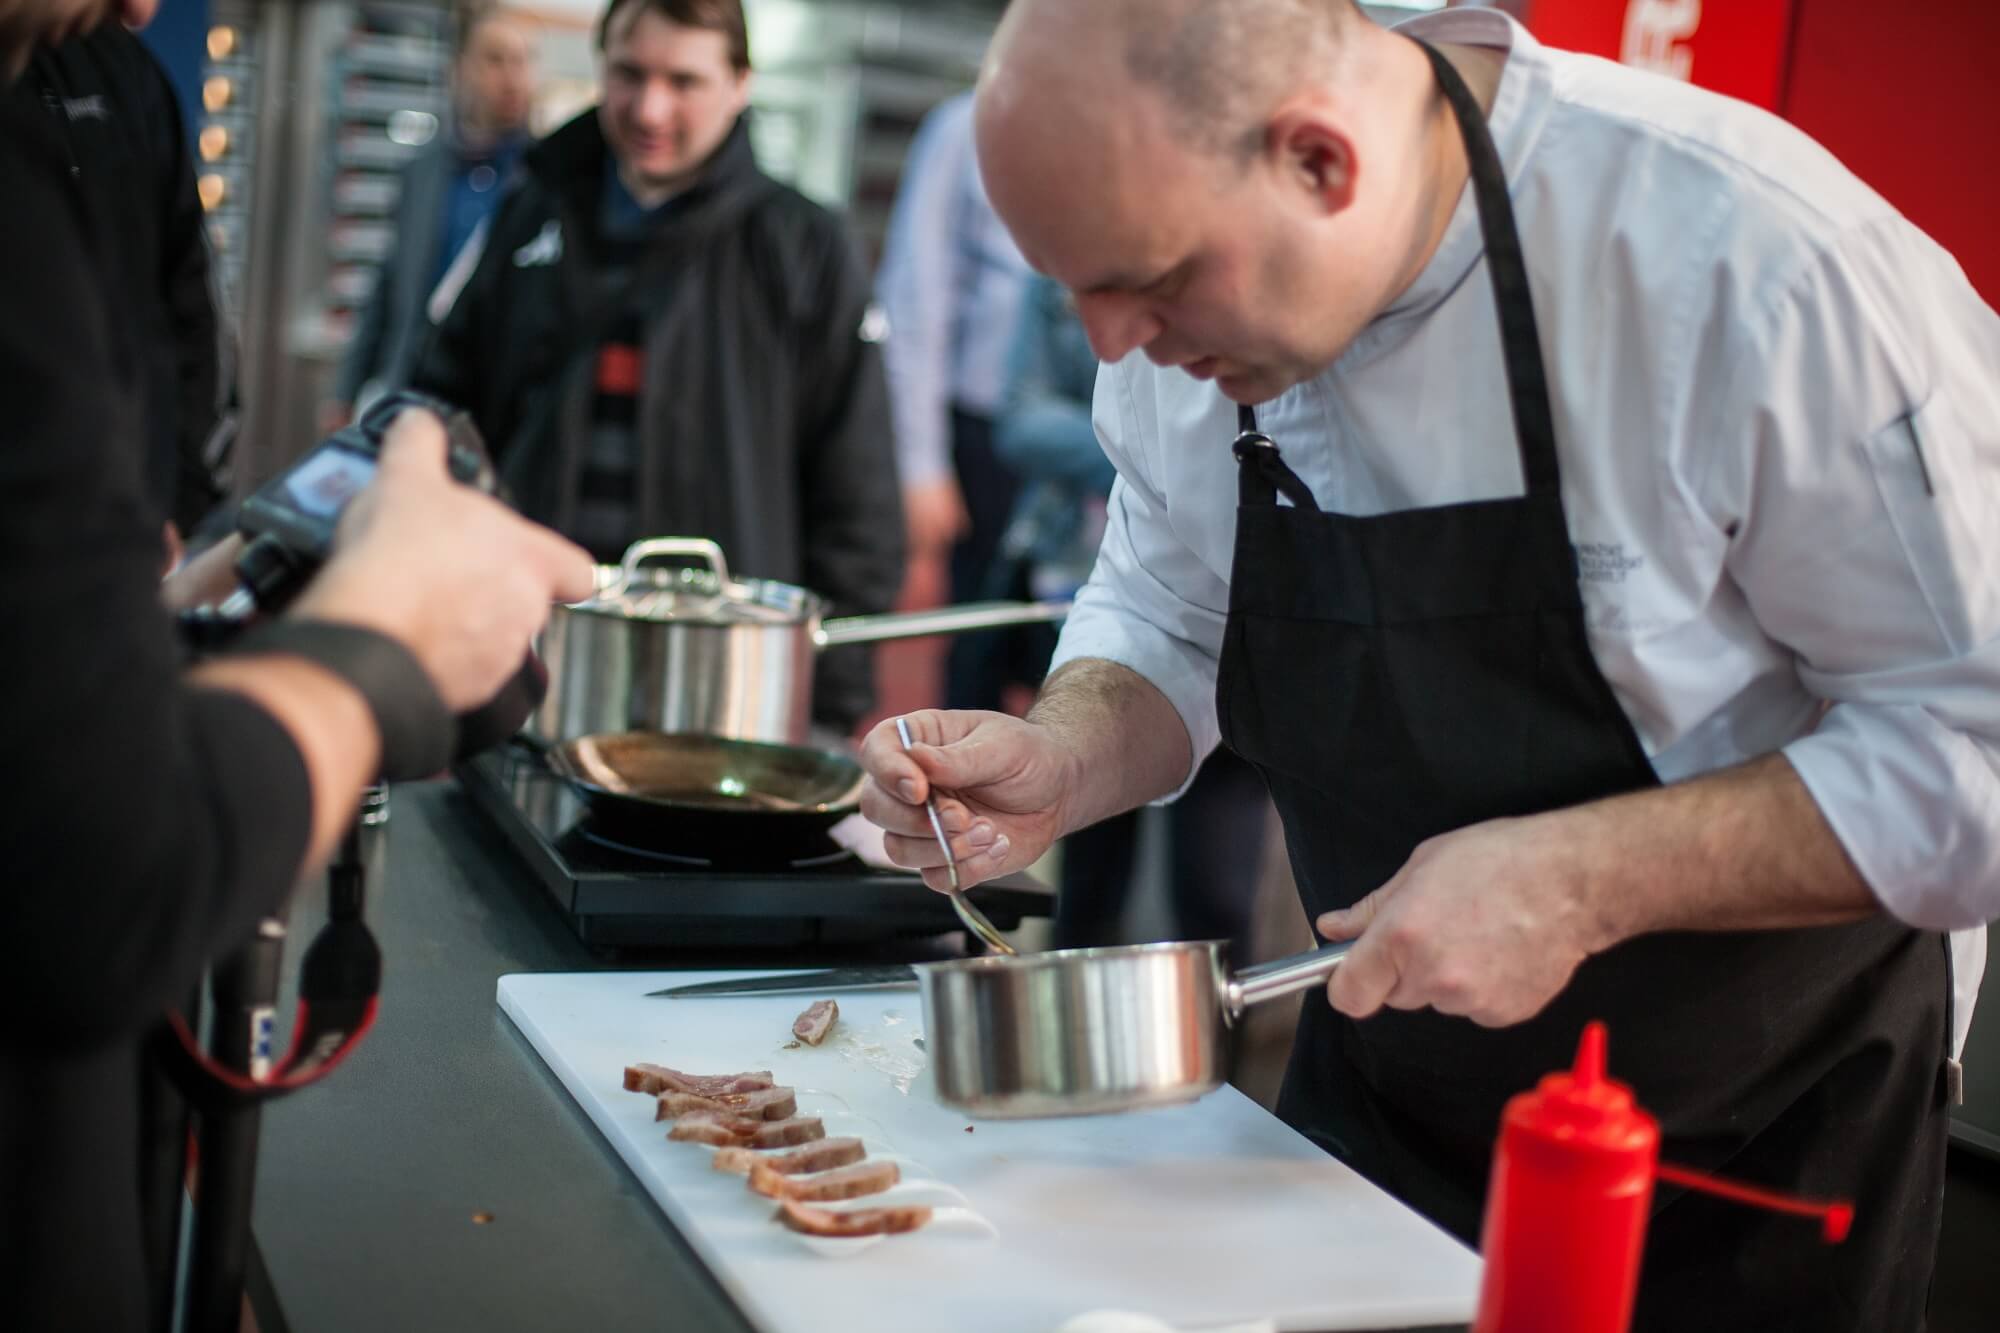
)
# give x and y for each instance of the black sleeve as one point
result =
(189, 295)
(449, 363)
(850, 502)
(147, 824)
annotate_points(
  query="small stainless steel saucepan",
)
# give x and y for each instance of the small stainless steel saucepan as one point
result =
(1083, 1031)
(1072, 1032)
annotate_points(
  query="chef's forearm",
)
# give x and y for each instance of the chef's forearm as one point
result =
(1127, 743)
(1745, 848)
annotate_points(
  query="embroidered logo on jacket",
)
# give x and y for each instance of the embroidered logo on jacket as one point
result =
(544, 250)
(86, 108)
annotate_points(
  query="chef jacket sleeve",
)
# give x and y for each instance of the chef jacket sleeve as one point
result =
(1150, 604)
(1854, 470)
(148, 824)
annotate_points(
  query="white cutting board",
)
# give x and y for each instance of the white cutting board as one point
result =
(1208, 1213)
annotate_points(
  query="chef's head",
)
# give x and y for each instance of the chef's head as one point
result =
(1207, 176)
(27, 24)
(676, 77)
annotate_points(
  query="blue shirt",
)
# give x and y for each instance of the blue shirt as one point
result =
(470, 195)
(951, 285)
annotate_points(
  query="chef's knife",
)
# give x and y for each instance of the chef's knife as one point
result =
(898, 976)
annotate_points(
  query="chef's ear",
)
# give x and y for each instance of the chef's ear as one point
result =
(1313, 153)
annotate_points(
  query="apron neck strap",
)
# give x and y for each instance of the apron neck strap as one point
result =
(1520, 343)
(1263, 474)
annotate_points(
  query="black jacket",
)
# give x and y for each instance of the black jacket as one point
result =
(763, 419)
(130, 152)
(146, 825)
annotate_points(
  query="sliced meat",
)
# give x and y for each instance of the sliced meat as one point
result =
(714, 1127)
(696, 1129)
(824, 1155)
(853, 1222)
(812, 1026)
(788, 1133)
(849, 1182)
(726, 1129)
(763, 1104)
(658, 1078)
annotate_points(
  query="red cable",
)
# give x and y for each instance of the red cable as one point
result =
(1835, 1217)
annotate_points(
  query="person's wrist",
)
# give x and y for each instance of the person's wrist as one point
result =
(419, 733)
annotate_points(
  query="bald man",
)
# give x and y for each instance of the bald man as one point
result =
(1575, 492)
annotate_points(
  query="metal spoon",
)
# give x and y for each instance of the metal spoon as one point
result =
(974, 919)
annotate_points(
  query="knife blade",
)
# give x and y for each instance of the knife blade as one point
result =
(893, 976)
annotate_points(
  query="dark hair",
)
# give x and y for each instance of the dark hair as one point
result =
(723, 16)
(471, 20)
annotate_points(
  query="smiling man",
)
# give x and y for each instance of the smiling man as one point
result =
(661, 339)
(1575, 492)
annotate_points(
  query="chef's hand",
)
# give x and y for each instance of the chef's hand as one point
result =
(462, 581)
(1488, 922)
(1002, 787)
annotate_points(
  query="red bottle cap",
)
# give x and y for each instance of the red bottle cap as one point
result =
(1583, 1110)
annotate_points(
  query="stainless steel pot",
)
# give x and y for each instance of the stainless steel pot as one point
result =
(689, 649)
(1082, 1031)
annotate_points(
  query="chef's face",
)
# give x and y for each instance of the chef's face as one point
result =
(1249, 266)
(671, 96)
(27, 24)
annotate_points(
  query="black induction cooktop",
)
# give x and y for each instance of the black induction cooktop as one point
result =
(622, 893)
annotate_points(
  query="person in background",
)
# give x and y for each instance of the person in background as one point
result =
(658, 338)
(173, 805)
(951, 284)
(129, 151)
(446, 192)
(1216, 830)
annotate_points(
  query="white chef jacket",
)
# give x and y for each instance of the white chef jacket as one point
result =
(1777, 411)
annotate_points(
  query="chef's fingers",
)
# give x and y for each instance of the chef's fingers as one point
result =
(887, 811)
(1365, 979)
(974, 866)
(1350, 923)
(892, 770)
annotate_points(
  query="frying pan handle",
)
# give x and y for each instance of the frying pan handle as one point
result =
(1268, 981)
(638, 553)
(943, 620)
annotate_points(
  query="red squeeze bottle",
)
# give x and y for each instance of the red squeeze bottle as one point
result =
(1566, 1215)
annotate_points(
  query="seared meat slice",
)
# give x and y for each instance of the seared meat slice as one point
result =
(849, 1182)
(856, 1222)
(812, 1026)
(765, 1103)
(658, 1078)
(821, 1156)
(787, 1133)
(726, 1130)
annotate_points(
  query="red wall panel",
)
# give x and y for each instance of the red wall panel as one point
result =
(1899, 92)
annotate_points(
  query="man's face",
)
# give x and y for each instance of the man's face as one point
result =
(670, 96)
(1232, 270)
(27, 24)
(496, 75)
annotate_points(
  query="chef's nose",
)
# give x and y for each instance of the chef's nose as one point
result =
(1116, 323)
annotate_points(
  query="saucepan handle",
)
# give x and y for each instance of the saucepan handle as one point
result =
(943, 620)
(1267, 981)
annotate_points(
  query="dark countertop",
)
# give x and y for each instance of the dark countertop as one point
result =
(370, 1185)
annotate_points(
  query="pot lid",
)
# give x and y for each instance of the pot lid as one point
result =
(699, 594)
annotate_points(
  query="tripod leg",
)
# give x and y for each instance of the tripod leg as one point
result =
(246, 990)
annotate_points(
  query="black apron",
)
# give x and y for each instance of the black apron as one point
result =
(1402, 675)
